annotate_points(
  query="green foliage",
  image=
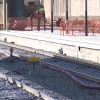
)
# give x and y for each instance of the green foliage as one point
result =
(41, 10)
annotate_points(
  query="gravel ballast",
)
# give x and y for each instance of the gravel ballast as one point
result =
(53, 83)
(12, 92)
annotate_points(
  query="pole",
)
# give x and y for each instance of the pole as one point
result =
(86, 26)
(4, 14)
(67, 16)
(38, 6)
(44, 22)
(66, 9)
(31, 23)
(38, 13)
(52, 16)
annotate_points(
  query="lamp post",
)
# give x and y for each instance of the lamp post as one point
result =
(66, 9)
(51, 15)
(86, 26)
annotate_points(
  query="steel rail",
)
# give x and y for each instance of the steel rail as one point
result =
(86, 76)
(71, 74)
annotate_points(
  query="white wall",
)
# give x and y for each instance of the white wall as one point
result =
(76, 8)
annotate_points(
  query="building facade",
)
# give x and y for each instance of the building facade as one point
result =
(76, 8)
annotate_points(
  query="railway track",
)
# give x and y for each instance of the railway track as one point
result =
(52, 60)
(59, 56)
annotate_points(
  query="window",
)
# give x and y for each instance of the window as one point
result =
(31, 3)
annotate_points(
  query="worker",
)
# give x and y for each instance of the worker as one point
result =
(5, 39)
(11, 51)
(60, 51)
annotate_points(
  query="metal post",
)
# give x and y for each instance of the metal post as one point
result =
(67, 16)
(38, 13)
(44, 22)
(38, 6)
(86, 26)
(31, 23)
(51, 15)
(4, 14)
(66, 9)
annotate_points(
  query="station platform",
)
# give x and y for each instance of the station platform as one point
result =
(82, 47)
(90, 41)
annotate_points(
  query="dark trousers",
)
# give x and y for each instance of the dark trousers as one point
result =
(11, 52)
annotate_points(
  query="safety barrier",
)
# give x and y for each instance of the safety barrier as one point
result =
(26, 24)
(34, 22)
(77, 27)
(19, 23)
